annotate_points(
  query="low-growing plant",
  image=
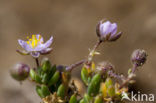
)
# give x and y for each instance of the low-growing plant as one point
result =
(53, 82)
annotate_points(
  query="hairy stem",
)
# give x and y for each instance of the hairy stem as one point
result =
(134, 68)
(71, 67)
(129, 77)
(97, 45)
(114, 75)
(91, 54)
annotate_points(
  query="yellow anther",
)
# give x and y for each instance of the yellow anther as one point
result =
(34, 41)
(33, 36)
(33, 44)
(28, 42)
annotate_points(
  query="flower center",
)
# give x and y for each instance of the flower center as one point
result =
(34, 41)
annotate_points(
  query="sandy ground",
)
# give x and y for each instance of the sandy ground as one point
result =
(72, 23)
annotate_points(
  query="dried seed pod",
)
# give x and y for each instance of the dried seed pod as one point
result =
(139, 57)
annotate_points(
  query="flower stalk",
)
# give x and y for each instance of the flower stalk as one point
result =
(71, 67)
(37, 62)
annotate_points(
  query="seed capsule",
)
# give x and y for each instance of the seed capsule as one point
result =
(20, 71)
(139, 57)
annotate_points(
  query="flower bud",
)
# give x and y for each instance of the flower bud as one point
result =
(139, 57)
(20, 71)
(104, 67)
(107, 31)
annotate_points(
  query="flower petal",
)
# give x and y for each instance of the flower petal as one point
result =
(24, 45)
(105, 28)
(113, 29)
(46, 51)
(23, 52)
(115, 36)
(45, 45)
(38, 36)
(49, 42)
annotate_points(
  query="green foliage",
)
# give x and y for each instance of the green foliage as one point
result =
(46, 65)
(108, 82)
(84, 75)
(61, 91)
(93, 88)
(42, 91)
(98, 99)
(34, 76)
(53, 82)
(73, 99)
(54, 78)
(87, 98)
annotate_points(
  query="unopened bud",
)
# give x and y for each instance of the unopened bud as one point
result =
(105, 66)
(20, 71)
(139, 57)
(107, 31)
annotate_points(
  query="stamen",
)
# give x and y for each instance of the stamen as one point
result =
(33, 37)
(33, 44)
(34, 41)
(28, 42)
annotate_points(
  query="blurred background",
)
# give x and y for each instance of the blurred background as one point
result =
(72, 23)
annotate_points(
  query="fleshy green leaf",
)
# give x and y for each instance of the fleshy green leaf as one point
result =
(54, 78)
(73, 99)
(34, 76)
(87, 98)
(39, 91)
(61, 91)
(94, 86)
(46, 65)
(108, 82)
(84, 75)
(45, 90)
(111, 91)
(98, 99)
(82, 101)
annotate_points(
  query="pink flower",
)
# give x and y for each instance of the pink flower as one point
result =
(107, 31)
(35, 46)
